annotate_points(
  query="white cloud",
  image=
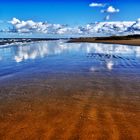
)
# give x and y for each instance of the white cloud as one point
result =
(93, 4)
(110, 9)
(107, 17)
(30, 26)
(97, 28)
(15, 21)
(135, 27)
(108, 28)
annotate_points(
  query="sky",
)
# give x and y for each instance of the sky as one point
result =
(65, 12)
(73, 12)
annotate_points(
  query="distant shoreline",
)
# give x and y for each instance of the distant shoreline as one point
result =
(133, 40)
(8, 41)
(123, 40)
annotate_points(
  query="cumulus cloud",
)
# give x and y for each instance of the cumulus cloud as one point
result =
(109, 28)
(110, 9)
(107, 17)
(93, 4)
(135, 27)
(102, 28)
(14, 21)
(30, 26)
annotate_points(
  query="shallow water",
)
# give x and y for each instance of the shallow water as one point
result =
(60, 57)
(57, 90)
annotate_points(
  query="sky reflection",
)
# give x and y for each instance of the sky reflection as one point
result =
(60, 56)
(42, 49)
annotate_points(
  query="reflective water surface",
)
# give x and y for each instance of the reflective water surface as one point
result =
(69, 91)
(58, 56)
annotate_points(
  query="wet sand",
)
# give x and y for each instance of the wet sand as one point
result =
(60, 91)
(134, 42)
(59, 107)
(123, 40)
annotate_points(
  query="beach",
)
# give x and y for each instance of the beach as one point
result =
(64, 91)
(133, 40)
(62, 108)
(70, 70)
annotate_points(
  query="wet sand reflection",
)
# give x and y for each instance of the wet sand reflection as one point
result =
(96, 97)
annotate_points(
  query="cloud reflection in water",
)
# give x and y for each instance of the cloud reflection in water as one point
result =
(106, 52)
(101, 56)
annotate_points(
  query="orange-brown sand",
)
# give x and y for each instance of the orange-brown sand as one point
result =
(53, 109)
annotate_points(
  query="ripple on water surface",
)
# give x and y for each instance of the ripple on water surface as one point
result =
(61, 57)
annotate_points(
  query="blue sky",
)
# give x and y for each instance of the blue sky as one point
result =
(72, 12)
